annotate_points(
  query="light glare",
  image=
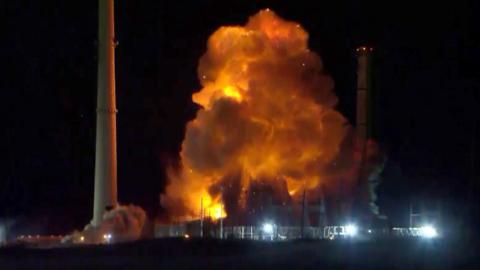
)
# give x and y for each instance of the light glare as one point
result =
(107, 237)
(268, 228)
(351, 230)
(428, 231)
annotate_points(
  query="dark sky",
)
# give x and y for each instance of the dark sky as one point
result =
(427, 57)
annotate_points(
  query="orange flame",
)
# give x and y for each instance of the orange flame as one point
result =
(232, 92)
(267, 114)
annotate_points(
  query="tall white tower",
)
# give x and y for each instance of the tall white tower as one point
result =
(105, 196)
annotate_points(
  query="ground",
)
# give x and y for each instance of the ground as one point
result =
(235, 254)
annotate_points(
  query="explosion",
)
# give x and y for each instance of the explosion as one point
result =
(267, 116)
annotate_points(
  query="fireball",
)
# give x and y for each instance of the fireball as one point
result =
(267, 114)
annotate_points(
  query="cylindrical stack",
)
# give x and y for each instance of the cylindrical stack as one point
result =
(363, 93)
(106, 146)
(363, 127)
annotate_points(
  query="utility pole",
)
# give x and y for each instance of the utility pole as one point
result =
(411, 216)
(474, 185)
(302, 224)
(414, 215)
(221, 213)
(201, 217)
(221, 224)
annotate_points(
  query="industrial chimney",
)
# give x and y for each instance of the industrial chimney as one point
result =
(370, 170)
(105, 196)
(364, 125)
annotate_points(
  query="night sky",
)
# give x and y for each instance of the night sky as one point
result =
(426, 68)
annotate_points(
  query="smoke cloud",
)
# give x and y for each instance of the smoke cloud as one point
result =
(267, 116)
(121, 224)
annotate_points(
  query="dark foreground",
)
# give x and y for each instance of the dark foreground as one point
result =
(231, 254)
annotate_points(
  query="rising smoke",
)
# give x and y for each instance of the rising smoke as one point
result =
(267, 116)
(121, 224)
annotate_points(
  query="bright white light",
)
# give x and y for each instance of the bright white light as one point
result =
(428, 231)
(351, 230)
(369, 231)
(107, 237)
(82, 238)
(267, 228)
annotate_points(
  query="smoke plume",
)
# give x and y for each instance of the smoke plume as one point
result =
(267, 116)
(123, 223)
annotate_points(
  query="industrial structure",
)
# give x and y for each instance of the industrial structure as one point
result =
(367, 116)
(364, 93)
(273, 232)
(268, 218)
(105, 197)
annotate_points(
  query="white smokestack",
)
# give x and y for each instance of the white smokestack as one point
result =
(106, 145)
